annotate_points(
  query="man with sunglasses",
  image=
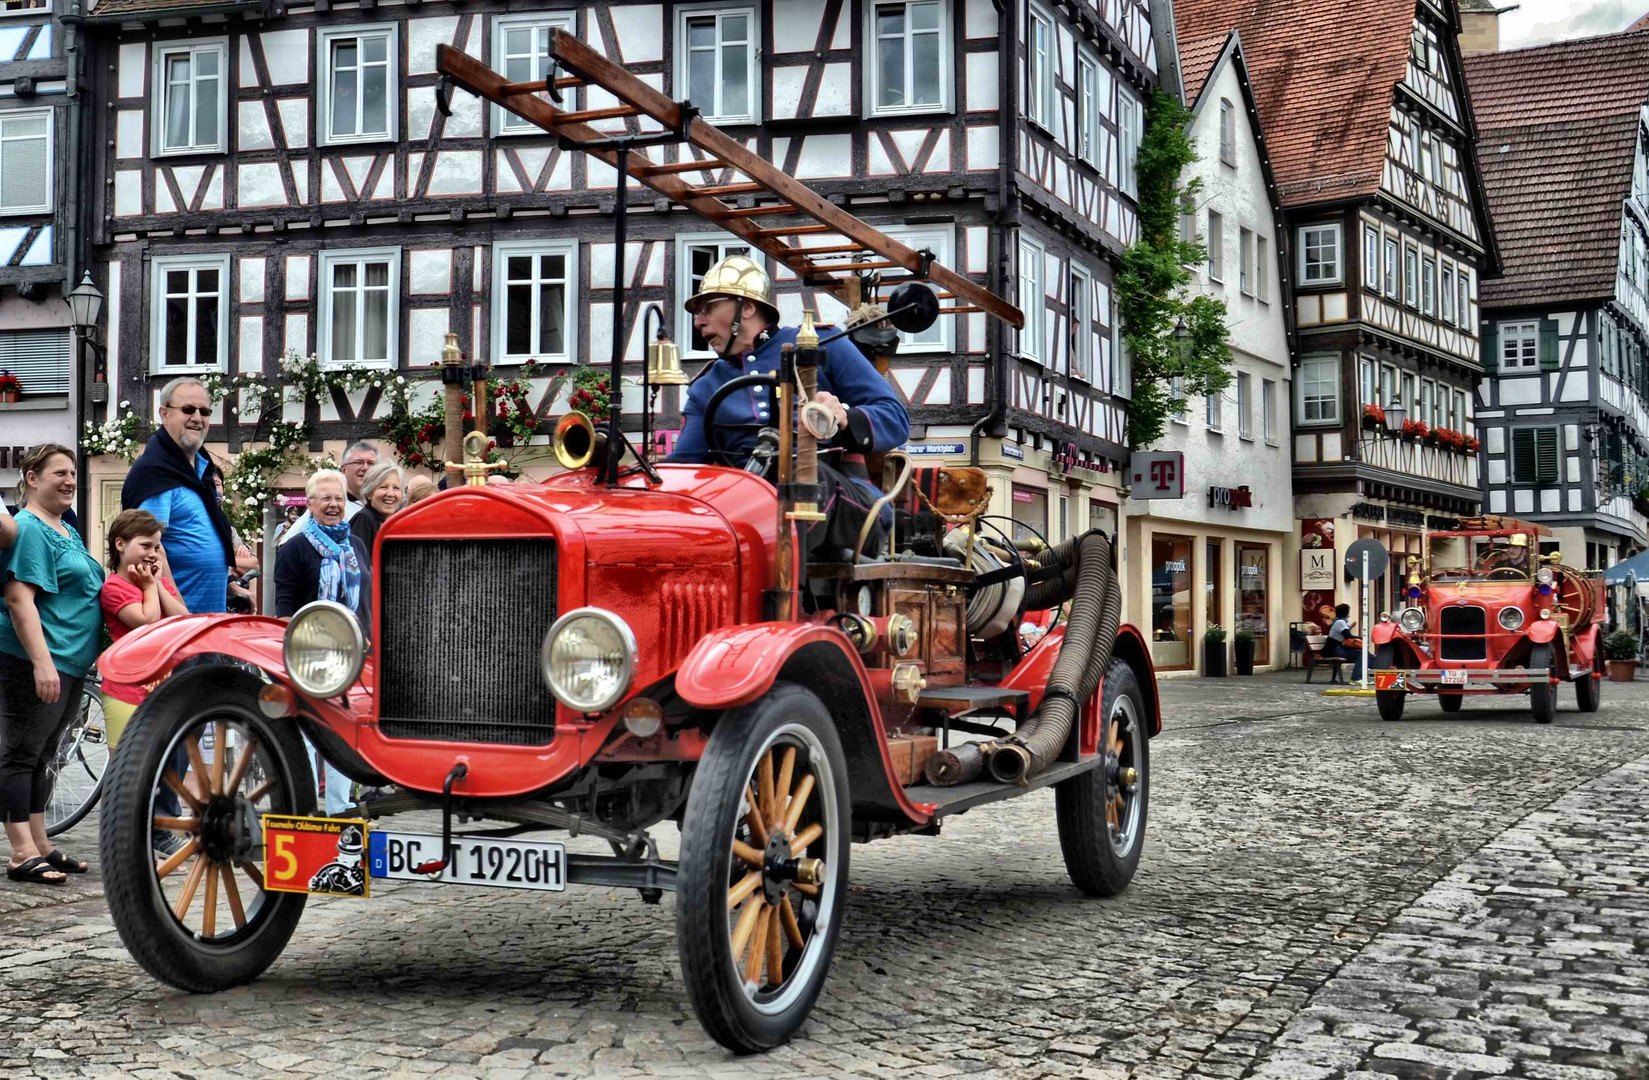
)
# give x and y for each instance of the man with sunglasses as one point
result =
(174, 481)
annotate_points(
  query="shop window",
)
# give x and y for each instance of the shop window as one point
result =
(1253, 602)
(1171, 601)
(1212, 606)
(1030, 513)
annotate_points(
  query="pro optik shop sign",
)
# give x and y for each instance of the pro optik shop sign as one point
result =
(1237, 498)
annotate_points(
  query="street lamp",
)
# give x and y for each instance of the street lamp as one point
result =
(85, 305)
(1394, 416)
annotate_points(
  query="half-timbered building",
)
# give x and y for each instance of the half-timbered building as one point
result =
(1373, 144)
(277, 178)
(1217, 556)
(1565, 145)
(41, 173)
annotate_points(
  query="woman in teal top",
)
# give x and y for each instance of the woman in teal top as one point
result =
(49, 635)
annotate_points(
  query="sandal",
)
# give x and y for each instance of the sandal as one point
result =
(35, 870)
(66, 863)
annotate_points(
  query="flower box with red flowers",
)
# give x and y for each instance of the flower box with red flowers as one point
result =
(1415, 429)
(1374, 416)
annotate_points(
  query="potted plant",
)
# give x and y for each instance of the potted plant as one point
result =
(10, 388)
(1243, 647)
(1621, 649)
(1213, 651)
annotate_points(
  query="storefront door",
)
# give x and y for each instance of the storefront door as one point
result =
(1171, 601)
(1253, 572)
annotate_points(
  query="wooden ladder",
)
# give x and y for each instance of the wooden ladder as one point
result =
(862, 247)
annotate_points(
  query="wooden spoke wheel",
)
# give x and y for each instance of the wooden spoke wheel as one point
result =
(1102, 812)
(763, 873)
(181, 830)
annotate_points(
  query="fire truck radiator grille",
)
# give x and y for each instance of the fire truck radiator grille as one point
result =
(1472, 621)
(462, 626)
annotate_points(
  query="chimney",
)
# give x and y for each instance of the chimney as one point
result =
(1480, 26)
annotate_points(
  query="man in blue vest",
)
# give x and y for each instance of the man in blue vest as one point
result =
(734, 312)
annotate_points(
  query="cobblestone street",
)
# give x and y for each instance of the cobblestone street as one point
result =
(1321, 895)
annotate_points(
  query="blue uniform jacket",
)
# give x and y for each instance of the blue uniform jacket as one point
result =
(876, 418)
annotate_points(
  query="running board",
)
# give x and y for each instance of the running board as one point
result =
(964, 797)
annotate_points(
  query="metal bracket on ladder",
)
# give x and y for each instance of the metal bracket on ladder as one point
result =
(586, 67)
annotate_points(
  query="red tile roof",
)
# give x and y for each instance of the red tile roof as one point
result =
(1323, 73)
(1641, 24)
(104, 9)
(1197, 57)
(1557, 127)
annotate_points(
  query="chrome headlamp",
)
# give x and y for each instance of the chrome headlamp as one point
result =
(1412, 619)
(324, 649)
(1544, 575)
(1511, 617)
(589, 659)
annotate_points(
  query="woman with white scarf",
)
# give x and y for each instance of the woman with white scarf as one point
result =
(325, 562)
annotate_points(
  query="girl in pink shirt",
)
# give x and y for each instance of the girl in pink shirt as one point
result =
(140, 591)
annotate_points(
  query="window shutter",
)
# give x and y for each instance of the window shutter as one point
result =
(1523, 456)
(1548, 344)
(1491, 347)
(1546, 456)
(39, 359)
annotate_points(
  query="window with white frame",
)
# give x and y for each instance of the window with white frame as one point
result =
(1393, 277)
(1411, 393)
(1268, 411)
(1031, 299)
(1320, 254)
(533, 315)
(1411, 275)
(1445, 292)
(1388, 386)
(1039, 73)
(360, 308)
(1463, 285)
(1462, 421)
(1087, 78)
(1082, 320)
(716, 50)
(1228, 133)
(1245, 405)
(910, 63)
(1122, 355)
(1428, 286)
(1319, 383)
(695, 255)
(1216, 246)
(941, 240)
(1130, 129)
(1245, 260)
(1262, 267)
(190, 319)
(1176, 398)
(1371, 257)
(26, 161)
(358, 91)
(1519, 346)
(1187, 220)
(190, 104)
(1366, 379)
(19, 7)
(1424, 415)
(1213, 413)
(521, 52)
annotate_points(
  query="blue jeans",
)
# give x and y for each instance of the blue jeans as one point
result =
(1356, 658)
(337, 784)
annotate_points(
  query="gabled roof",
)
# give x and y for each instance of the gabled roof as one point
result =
(1323, 72)
(137, 10)
(1197, 57)
(1557, 129)
(1641, 24)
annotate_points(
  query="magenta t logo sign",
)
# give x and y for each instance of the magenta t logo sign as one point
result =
(1164, 474)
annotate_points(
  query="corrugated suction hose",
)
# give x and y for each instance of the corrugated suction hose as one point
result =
(1089, 581)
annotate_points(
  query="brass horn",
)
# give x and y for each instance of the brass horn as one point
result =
(577, 440)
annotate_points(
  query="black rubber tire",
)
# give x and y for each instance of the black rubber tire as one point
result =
(59, 826)
(1390, 702)
(1095, 865)
(156, 940)
(1542, 696)
(1451, 702)
(1589, 693)
(708, 968)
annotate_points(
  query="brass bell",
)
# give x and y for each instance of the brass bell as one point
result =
(664, 362)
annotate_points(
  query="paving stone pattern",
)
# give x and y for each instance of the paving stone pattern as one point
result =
(1322, 896)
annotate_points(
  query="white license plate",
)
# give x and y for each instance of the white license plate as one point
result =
(503, 864)
(1455, 677)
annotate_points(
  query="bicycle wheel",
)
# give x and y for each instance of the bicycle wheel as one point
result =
(78, 767)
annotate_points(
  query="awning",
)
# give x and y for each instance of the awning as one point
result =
(1639, 564)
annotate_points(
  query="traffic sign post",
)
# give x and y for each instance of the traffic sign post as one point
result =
(1366, 561)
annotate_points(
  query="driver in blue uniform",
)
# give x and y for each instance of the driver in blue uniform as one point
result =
(733, 310)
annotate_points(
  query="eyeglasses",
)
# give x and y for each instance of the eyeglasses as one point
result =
(192, 410)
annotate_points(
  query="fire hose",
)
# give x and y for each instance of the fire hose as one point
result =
(1088, 580)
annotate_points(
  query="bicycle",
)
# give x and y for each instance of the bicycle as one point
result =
(82, 759)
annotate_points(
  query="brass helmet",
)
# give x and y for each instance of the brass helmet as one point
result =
(739, 277)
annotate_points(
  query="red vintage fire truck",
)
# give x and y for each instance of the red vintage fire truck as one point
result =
(1489, 614)
(628, 645)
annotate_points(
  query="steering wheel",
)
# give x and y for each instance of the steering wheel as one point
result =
(1508, 572)
(713, 428)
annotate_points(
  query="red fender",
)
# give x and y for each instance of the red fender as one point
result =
(1542, 631)
(736, 665)
(1383, 633)
(1586, 648)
